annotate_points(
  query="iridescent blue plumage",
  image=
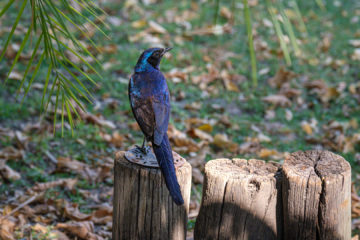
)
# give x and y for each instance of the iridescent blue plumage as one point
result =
(150, 103)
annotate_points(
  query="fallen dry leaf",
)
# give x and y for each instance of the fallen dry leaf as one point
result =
(197, 133)
(102, 215)
(68, 164)
(15, 75)
(72, 211)
(263, 138)
(11, 153)
(83, 230)
(269, 153)
(154, 27)
(211, 30)
(226, 13)
(206, 127)
(197, 176)
(277, 100)
(115, 138)
(288, 115)
(7, 229)
(94, 119)
(223, 142)
(355, 202)
(8, 173)
(181, 142)
(197, 122)
(198, 161)
(325, 43)
(139, 23)
(48, 233)
(289, 92)
(251, 145)
(281, 77)
(69, 183)
(356, 55)
(325, 93)
(355, 43)
(232, 81)
(307, 128)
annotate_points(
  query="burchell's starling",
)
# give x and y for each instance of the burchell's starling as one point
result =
(150, 104)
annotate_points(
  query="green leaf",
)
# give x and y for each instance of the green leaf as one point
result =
(19, 52)
(13, 28)
(81, 58)
(62, 113)
(216, 13)
(6, 7)
(289, 29)
(56, 105)
(81, 71)
(70, 92)
(94, 6)
(69, 115)
(91, 22)
(320, 4)
(30, 63)
(89, 9)
(34, 75)
(74, 110)
(299, 16)
(82, 31)
(50, 93)
(46, 86)
(79, 82)
(250, 43)
(279, 33)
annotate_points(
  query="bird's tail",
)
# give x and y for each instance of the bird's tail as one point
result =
(165, 159)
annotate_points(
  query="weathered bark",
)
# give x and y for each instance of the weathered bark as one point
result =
(240, 201)
(143, 208)
(316, 196)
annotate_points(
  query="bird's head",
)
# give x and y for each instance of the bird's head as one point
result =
(150, 59)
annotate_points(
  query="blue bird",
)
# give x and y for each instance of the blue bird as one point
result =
(150, 103)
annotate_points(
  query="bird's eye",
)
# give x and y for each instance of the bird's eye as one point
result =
(156, 54)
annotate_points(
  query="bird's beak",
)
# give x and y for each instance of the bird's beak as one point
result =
(165, 50)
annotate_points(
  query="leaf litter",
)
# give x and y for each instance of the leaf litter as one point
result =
(69, 202)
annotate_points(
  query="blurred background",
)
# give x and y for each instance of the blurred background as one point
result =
(248, 79)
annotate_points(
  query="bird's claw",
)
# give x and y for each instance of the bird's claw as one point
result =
(144, 150)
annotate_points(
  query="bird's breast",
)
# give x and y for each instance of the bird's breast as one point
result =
(146, 85)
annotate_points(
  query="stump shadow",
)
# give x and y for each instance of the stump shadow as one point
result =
(239, 223)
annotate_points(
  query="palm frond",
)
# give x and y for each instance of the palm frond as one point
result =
(52, 25)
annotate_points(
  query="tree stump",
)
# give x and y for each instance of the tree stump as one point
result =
(240, 201)
(143, 208)
(316, 196)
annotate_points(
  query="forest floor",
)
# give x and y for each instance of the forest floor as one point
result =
(216, 112)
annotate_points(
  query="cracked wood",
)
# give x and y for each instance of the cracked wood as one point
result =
(316, 196)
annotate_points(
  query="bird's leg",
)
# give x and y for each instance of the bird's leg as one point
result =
(143, 145)
(143, 148)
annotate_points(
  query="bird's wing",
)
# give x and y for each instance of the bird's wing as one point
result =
(143, 112)
(161, 108)
(151, 106)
